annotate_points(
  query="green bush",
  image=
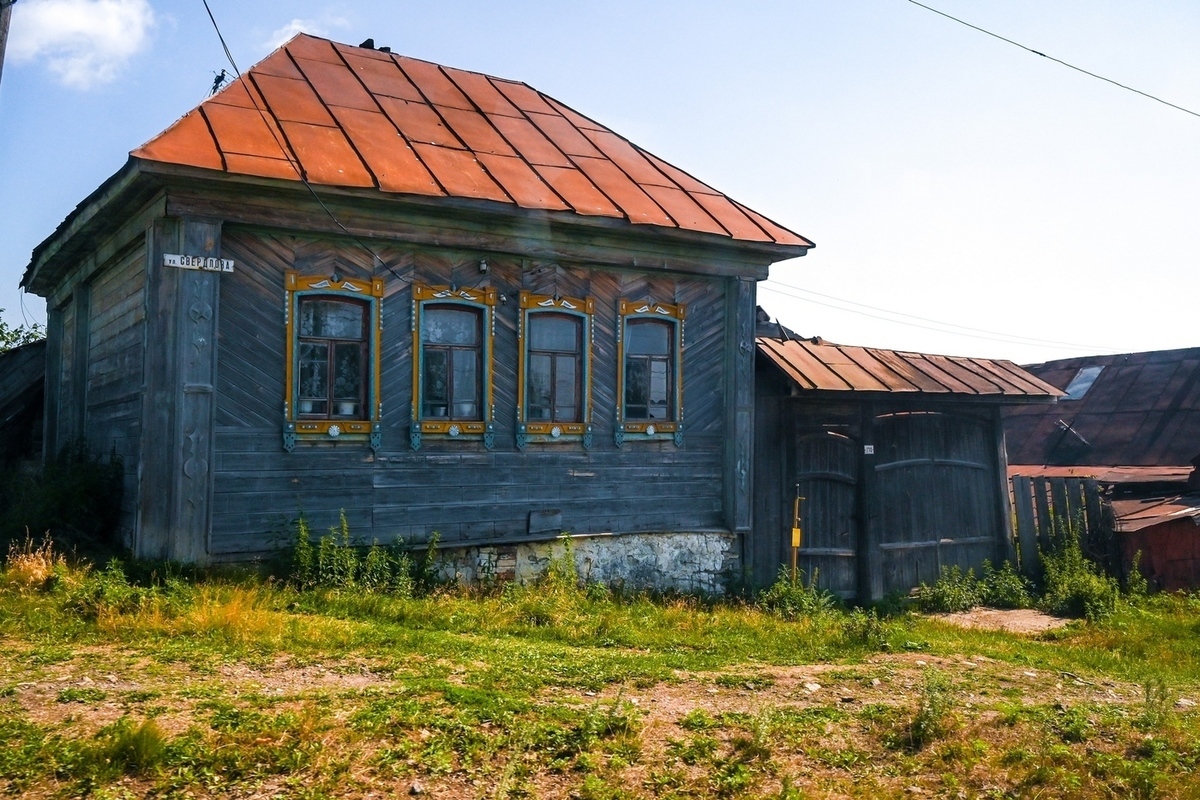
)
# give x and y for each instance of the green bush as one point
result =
(1004, 588)
(793, 599)
(1073, 586)
(335, 563)
(953, 591)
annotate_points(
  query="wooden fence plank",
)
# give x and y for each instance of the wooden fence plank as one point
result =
(1027, 534)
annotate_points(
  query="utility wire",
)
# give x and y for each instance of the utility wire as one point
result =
(1029, 339)
(1002, 338)
(1057, 60)
(288, 156)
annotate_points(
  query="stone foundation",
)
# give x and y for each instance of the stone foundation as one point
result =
(695, 563)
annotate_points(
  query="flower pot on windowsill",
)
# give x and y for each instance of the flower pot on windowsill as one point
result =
(346, 409)
(306, 406)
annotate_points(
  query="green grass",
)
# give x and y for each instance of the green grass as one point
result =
(235, 684)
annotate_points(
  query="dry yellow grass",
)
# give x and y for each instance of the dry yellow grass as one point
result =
(29, 564)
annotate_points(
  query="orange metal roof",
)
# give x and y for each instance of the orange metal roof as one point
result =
(357, 117)
(821, 366)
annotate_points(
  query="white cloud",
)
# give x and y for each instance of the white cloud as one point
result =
(83, 42)
(309, 26)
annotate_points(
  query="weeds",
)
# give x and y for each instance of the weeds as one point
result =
(933, 719)
(792, 599)
(956, 591)
(1074, 586)
(335, 563)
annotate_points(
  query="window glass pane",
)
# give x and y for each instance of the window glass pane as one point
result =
(659, 400)
(347, 374)
(445, 325)
(637, 376)
(557, 332)
(435, 384)
(648, 337)
(538, 387)
(564, 389)
(465, 384)
(314, 367)
(331, 319)
(1082, 381)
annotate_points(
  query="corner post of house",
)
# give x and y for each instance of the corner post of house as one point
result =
(82, 298)
(174, 468)
(739, 405)
(870, 553)
(54, 337)
(1006, 549)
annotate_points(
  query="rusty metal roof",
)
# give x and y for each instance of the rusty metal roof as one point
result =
(816, 365)
(1145, 512)
(357, 117)
(1143, 409)
(1104, 474)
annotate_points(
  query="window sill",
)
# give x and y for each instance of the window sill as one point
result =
(650, 431)
(331, 430)
(452, 430)
(553, 433)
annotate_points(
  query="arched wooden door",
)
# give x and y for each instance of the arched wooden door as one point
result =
(827, 477)
(936, 501)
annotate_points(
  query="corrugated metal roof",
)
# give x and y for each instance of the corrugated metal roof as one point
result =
(821, 366)
(1145, 512)
(1103, 474)
(1142, 410)
(357, 117)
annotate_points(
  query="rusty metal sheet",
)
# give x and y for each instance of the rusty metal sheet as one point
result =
(579, 192)
(388, 156)
(977, 383)
(578, 120)
(780, 234)
(336, 85)
(383, 77)
(523, 96)
(812, 368)
(437, 88)
(933, 369)
(474, 129)
(833, 357)
(628, 158)
(639, 208)
(459, 173)
(686, 212)
(419, 123)
(482, 92)
(304, 46)
(278, 64)
(902, 364)
(531, 143)
(325, 155)
(240, 164)
(771, 349)
(726, 212)
(880, 371)
(190, 142)
(682, 179)
(566, 136)
(245, 131)
(292, 101)
(521, 182)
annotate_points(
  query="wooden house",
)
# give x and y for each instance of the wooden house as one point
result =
(899, 458)
(1129, 427)
(435, 300)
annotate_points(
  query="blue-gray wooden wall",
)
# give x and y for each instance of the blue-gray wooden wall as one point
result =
(459, 489)
(96, 345)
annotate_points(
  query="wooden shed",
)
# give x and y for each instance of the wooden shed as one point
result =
(438, 301)
(899, 458)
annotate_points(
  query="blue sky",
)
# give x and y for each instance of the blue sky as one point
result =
(943, 175)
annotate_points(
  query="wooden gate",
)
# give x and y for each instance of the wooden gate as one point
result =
(936, 501)
(827, 477)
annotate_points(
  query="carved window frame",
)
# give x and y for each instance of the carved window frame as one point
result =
(367, 427)
(650, 430)
(530, 306)
(484, 429)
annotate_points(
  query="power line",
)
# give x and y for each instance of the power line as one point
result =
(288, 156)
(1030, 339)
(1002, 338)
(1057, 60)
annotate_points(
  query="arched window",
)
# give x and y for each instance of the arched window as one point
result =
(649, 372)
(333, 339)
(554, 390)
(452, 364)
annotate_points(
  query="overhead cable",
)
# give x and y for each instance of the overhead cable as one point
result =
(1056, 60)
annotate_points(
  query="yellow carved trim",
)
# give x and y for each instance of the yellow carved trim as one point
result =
(486, 296)
(567, 428)
(444, 427)
(651, 308)
(323, 426)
